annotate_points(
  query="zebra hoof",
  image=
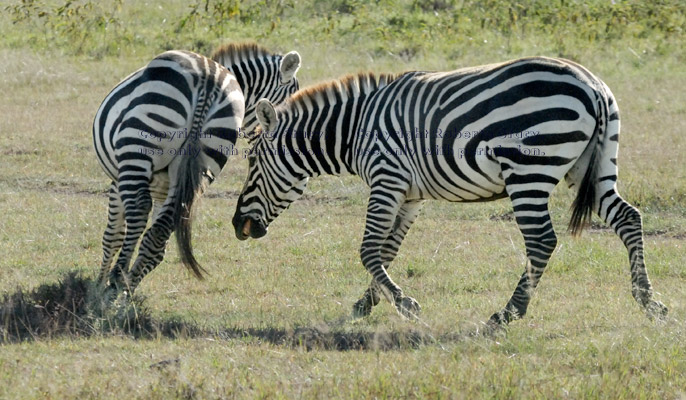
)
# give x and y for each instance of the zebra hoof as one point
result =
(109, 294)
(503, 317)
(362, 308)
(655, 310)
(102, 280)
(496, 324)
(102, 298)
(408, 307)
(113, 291)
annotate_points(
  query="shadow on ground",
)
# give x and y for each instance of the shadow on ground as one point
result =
(70, 308)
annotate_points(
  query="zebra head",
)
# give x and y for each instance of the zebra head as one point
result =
(274, 180)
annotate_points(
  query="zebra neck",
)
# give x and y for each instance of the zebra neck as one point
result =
(242, 77)
(321, 134)
(250, 72)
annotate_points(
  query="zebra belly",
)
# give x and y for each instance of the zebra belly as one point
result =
(448, 177)
(444, 174)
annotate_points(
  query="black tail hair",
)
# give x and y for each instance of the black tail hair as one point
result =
(582, 207)
(189, 188)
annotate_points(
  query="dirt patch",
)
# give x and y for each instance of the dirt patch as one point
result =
(21, 152)
(227, 194)
(323, 338)
(657, 233)
(305, 198)
(57, 186)
(49, 310)
(506, 216)
(664, 234)
(313, 199)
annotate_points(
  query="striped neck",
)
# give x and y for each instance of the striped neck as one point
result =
(318, 125)
(258, 73)
(252, 76)
(247, 61)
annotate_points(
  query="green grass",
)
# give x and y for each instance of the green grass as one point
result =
(272, 319)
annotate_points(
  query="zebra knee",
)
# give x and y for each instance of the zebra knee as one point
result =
(633, 216)
(144, 202)
(367, 254)
(540, 248)
(550, 240)
(627, 217)
(136, 208)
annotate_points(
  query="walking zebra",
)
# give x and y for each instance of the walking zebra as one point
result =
(167, 130)
(478, 134)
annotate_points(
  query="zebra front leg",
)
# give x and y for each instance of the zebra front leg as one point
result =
(403, 221)
(533, 219)
(113, 238)
(382, 210)
(626, 221)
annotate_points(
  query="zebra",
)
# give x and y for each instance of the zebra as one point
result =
(513, 129)
(165, 132)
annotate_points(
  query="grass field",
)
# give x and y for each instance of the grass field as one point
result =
(273, 318)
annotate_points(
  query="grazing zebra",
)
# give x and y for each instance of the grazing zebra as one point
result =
(165, 131)
(478, 134)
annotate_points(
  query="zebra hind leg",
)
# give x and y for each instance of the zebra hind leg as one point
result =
(534, 222)
(153, 245)
(626, 221)
(113, 238)
(136, 211)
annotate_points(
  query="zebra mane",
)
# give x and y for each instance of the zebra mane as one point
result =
(350, 86)
(353, 85)
(235, 52)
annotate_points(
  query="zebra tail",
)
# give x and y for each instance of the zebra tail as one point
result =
(189, 188)
(582, 207)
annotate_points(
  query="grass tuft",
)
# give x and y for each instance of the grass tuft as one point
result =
(72, 307)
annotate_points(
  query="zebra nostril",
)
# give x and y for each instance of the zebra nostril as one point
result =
(246, 227)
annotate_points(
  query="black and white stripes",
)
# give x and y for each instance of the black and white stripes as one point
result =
(167, 130)
(508, 130)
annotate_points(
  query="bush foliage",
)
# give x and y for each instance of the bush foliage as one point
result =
(403, 27)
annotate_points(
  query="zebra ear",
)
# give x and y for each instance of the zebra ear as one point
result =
(266, 115)
(289, 66)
